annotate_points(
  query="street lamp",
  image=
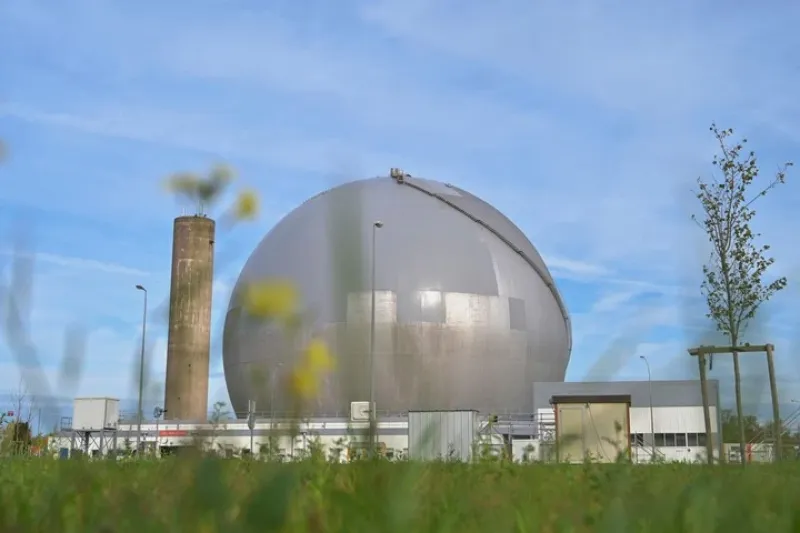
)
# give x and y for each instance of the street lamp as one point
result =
(141, 373)
(272, 395)
(157, 412)
(373, 422)
(650, 391)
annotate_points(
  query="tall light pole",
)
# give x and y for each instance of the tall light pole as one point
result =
(272, 395)
(650, 387)
(141, 374)
(372, 414)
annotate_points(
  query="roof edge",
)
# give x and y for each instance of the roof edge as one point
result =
(403, 179)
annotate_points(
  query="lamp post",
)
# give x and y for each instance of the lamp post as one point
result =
(650, 392)
(272, 395)
(157, 412)
(372, 418)
(141, 374)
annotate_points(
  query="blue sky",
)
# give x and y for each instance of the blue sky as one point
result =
(585, 122)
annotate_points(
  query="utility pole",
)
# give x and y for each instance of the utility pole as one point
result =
(650, 393)
(141, 374)
(251, 422)
(373, 422)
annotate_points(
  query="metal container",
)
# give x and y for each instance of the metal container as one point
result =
(95, 414)
(447, 435)
(466, 312)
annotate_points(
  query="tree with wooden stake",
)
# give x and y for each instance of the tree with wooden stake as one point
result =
(733, 283)
(701, 352)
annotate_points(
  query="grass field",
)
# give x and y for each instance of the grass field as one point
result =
(217, 495)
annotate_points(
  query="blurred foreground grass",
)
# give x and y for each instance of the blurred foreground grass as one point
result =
(219, 495)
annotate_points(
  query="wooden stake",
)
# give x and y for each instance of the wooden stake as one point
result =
(776, 414)
(702, 351)
(701, 359)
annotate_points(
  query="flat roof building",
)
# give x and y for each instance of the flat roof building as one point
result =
(674, 429)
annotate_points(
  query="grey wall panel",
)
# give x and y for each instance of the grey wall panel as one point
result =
(462, 320)
(421, 306)
(679, 393)
(447, 435)
(516, 313)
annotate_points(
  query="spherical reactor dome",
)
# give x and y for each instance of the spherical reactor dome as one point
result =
(466, 313)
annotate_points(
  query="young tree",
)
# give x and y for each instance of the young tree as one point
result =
(733, 278)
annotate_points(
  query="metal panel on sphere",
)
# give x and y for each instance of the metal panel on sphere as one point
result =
(465, 318)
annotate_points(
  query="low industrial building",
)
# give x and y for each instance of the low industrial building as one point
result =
(568, 422)
(650, 418)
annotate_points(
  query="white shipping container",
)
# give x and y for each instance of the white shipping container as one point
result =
(95, 414)
(447, 435)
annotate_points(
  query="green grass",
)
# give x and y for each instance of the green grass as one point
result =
(202, 496)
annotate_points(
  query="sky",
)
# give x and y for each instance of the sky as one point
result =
(585, 122)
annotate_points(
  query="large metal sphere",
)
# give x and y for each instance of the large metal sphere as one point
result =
(466, 315)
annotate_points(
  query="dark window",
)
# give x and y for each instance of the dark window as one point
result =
(701, 439)
(660, 439)
(669, 439)
(691, 439)
(680, 439)
(637, 439)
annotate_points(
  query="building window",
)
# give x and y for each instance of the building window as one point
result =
(696, 439)
(678, 440)
(637, 439)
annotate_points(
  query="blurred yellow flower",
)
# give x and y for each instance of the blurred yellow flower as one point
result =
(246, 207)
(304, 382)
(182, 183)
(221, 174)
(305, 379)
(270, 299)
(318, 357)
(200, 189)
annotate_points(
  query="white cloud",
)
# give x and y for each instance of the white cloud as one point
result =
(567, 268)
(586, 124)
(78, 263)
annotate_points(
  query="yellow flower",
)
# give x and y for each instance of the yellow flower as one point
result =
(318, 357)
(246, 207)
(206, 189)
(270, 299)
(182, 183)
(304, 382)
(221, 174)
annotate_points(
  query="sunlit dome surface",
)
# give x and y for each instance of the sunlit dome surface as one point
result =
(466, 315)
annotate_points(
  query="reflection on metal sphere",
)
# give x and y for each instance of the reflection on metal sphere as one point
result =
(466, 313)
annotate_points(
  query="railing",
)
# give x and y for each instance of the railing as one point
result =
(503, 418)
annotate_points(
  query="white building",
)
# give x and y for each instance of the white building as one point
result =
(667, 415)
(674, 408)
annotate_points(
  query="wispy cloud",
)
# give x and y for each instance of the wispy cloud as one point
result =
(585, 123)
(79, 263)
